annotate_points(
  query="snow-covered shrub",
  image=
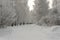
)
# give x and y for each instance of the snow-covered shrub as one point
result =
(53, 18)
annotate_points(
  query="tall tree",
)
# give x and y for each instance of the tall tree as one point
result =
(21, 10)
(40, 9)
(8, 14)
(56, 5)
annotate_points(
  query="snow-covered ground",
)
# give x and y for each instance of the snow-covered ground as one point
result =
(30, 32)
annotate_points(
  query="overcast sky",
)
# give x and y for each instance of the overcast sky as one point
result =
(31, 3)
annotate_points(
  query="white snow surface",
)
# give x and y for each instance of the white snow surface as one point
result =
(30, 32)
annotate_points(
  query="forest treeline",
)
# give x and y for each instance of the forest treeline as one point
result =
(14, 12)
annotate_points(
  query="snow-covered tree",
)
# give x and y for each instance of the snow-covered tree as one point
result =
(21, 10)
(7, 11)
(40, 9)
(53, 18)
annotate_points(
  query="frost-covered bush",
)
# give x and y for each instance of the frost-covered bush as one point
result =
(46, 21)
(53, 18)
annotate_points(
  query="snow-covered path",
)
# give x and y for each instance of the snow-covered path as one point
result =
(30, 32)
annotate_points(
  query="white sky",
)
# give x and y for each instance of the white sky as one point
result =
(31, 3)
(50, 3)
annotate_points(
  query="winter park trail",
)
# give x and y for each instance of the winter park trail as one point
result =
(30, 32)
